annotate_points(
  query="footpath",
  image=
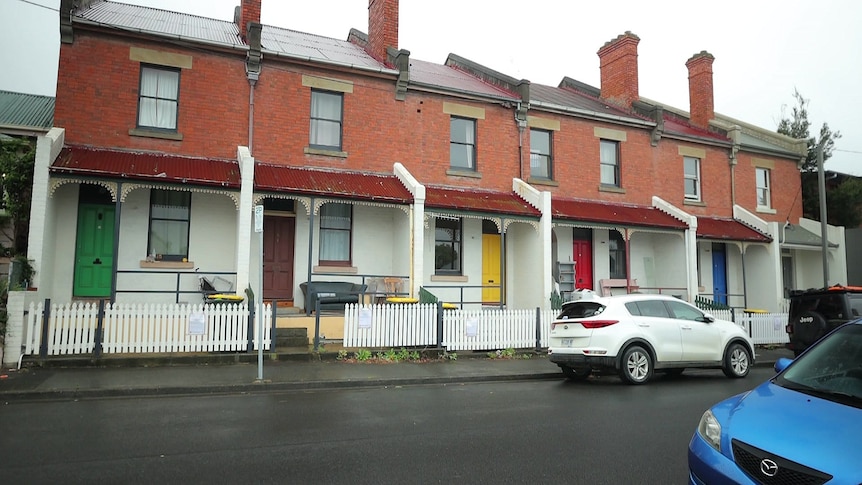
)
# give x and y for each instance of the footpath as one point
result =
(165, 375)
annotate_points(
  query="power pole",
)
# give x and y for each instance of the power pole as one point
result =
(821, 187)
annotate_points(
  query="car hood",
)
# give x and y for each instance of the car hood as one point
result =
(814, 432)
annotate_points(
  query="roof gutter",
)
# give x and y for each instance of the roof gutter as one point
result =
(436, 89)
(592, 114)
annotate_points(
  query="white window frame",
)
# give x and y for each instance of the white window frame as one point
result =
(691, 177)
(762, 178)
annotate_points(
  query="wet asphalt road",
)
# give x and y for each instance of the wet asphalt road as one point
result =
(601, 431)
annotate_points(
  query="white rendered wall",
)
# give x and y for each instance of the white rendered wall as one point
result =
(524, 268)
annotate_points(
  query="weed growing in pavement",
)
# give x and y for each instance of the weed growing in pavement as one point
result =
(389, 356)
(502, 354)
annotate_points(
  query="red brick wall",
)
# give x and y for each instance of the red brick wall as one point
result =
(785, 190)
(97, 98)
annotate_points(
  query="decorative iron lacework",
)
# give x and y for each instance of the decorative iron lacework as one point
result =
(306, 202)
(500, 222)
(56, 183)
(128, 188)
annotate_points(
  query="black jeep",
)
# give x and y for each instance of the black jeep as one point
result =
(815, 312)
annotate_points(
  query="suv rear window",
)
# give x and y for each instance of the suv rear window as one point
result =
(829, 306)
(580, 310)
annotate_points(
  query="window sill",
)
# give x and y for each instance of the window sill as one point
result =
(335, 269)
(543, 181)
(455, 172)
(449, 278)
(766, 210)
(611, 188)
(325, 153)
(156, 134)
(697, 203)
(168, 264)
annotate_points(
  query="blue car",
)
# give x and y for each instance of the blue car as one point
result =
(802, 426)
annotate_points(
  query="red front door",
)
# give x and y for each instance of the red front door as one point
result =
(278, 237)
(583, 257)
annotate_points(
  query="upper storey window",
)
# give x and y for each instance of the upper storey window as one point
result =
(462, 143)
(326, 120)
(540, 153)
(158, 98)
(610, 163)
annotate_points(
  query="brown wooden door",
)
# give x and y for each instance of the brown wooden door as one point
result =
(278, 240)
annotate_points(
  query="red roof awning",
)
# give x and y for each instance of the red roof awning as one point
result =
(331, 183)
(155, 167)
(610, 213)
(474, 200)
(728, 230)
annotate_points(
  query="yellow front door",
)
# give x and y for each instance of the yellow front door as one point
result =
(491, 269)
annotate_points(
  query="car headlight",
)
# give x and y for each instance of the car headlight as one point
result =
(710, 430)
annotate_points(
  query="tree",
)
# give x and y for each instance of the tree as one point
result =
(17, 157)
(843, 199)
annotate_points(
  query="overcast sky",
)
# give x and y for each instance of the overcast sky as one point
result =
(764, 49)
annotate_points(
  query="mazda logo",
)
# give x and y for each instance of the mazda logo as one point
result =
(768, 467)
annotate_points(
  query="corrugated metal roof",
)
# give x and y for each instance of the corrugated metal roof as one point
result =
(28, 111)
(727, 230)
(473, 200)
(796, 235)
(438, 75)
(154, 167)
(571, 98)
(614, 214)
(315, 47)
(331, 183)
(161, 22)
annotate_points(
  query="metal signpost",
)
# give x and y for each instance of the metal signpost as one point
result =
(258, 228)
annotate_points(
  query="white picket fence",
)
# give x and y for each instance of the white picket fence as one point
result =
(764, 328)
(143, 328)
(415, 325)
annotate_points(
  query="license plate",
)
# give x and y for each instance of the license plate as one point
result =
(567, 342)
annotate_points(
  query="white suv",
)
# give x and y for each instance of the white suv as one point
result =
(637, 334)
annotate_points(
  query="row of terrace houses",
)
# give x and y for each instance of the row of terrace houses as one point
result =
(480, 188)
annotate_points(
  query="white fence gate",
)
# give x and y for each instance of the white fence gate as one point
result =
(143, 328)
(416, 325)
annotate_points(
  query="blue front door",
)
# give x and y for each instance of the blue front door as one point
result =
(719, 273)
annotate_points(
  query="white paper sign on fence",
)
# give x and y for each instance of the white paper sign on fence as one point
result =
(472, 328)
(364, 318)
(197, 323)
(777, 323)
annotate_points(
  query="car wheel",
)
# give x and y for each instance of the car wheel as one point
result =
(576, 374)
(737, 362)
(637, 366)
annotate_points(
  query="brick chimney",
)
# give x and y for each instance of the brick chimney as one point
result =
(618, 61)
(248, 11)
(700, 100)
(382, 27)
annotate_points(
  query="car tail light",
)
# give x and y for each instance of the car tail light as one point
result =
(788, 328)
(597, 323)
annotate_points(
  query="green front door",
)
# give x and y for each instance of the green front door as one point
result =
(94, 251)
